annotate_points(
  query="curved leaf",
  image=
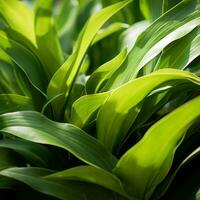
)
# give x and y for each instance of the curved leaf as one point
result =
(25, 59)
(172, 57)
(129, 37)
(33, 178)
(64, 77)
(151, 9)
(34, 153)
(189, 189)
(104, 72)
(92, 175)
(13, 102)
(37, 128)
(47, 40)
(19, 17)
(162, 188)
(70, 190)
(8, 78)
(85, 107)
(105, 32)
(123, 105)
(173, 25)
(151, 158)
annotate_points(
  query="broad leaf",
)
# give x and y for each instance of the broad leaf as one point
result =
(92, 175)
(70, 190)
(151, 159)
(120, 110)
(35, 127)
(20, 19)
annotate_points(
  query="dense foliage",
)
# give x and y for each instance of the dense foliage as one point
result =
(99, 99)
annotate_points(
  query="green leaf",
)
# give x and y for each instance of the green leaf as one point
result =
(66, 10)
(20, 19)
(34, 153)
(154, 9)
(6, 183)
(168, 4)
(159, 101)
(37, 128)
(172, 57)
(105, 32)
(162, 188)
(151, 9)
(70, 190)
(127, 15)
(98, 78)
(14, 81)
(7, 158)
(64, 78)
(171, 26)
(85, 107)
(47, 40)
(123, 105)
(8, 79)
(129, 37)
(13, 102)
(33, 178)
(26, 60)
(152, 157)
(66, 21)
(189, 189)
(92, 175)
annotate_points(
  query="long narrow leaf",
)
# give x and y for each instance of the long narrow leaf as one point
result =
(120, 110)
(64, 78)
(151, 159)
(35, 127)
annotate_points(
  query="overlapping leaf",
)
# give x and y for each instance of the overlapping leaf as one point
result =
(35, 127)
(151, 159)
(173, 25)
(63, 79)
(47, 40)
(120, 110)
